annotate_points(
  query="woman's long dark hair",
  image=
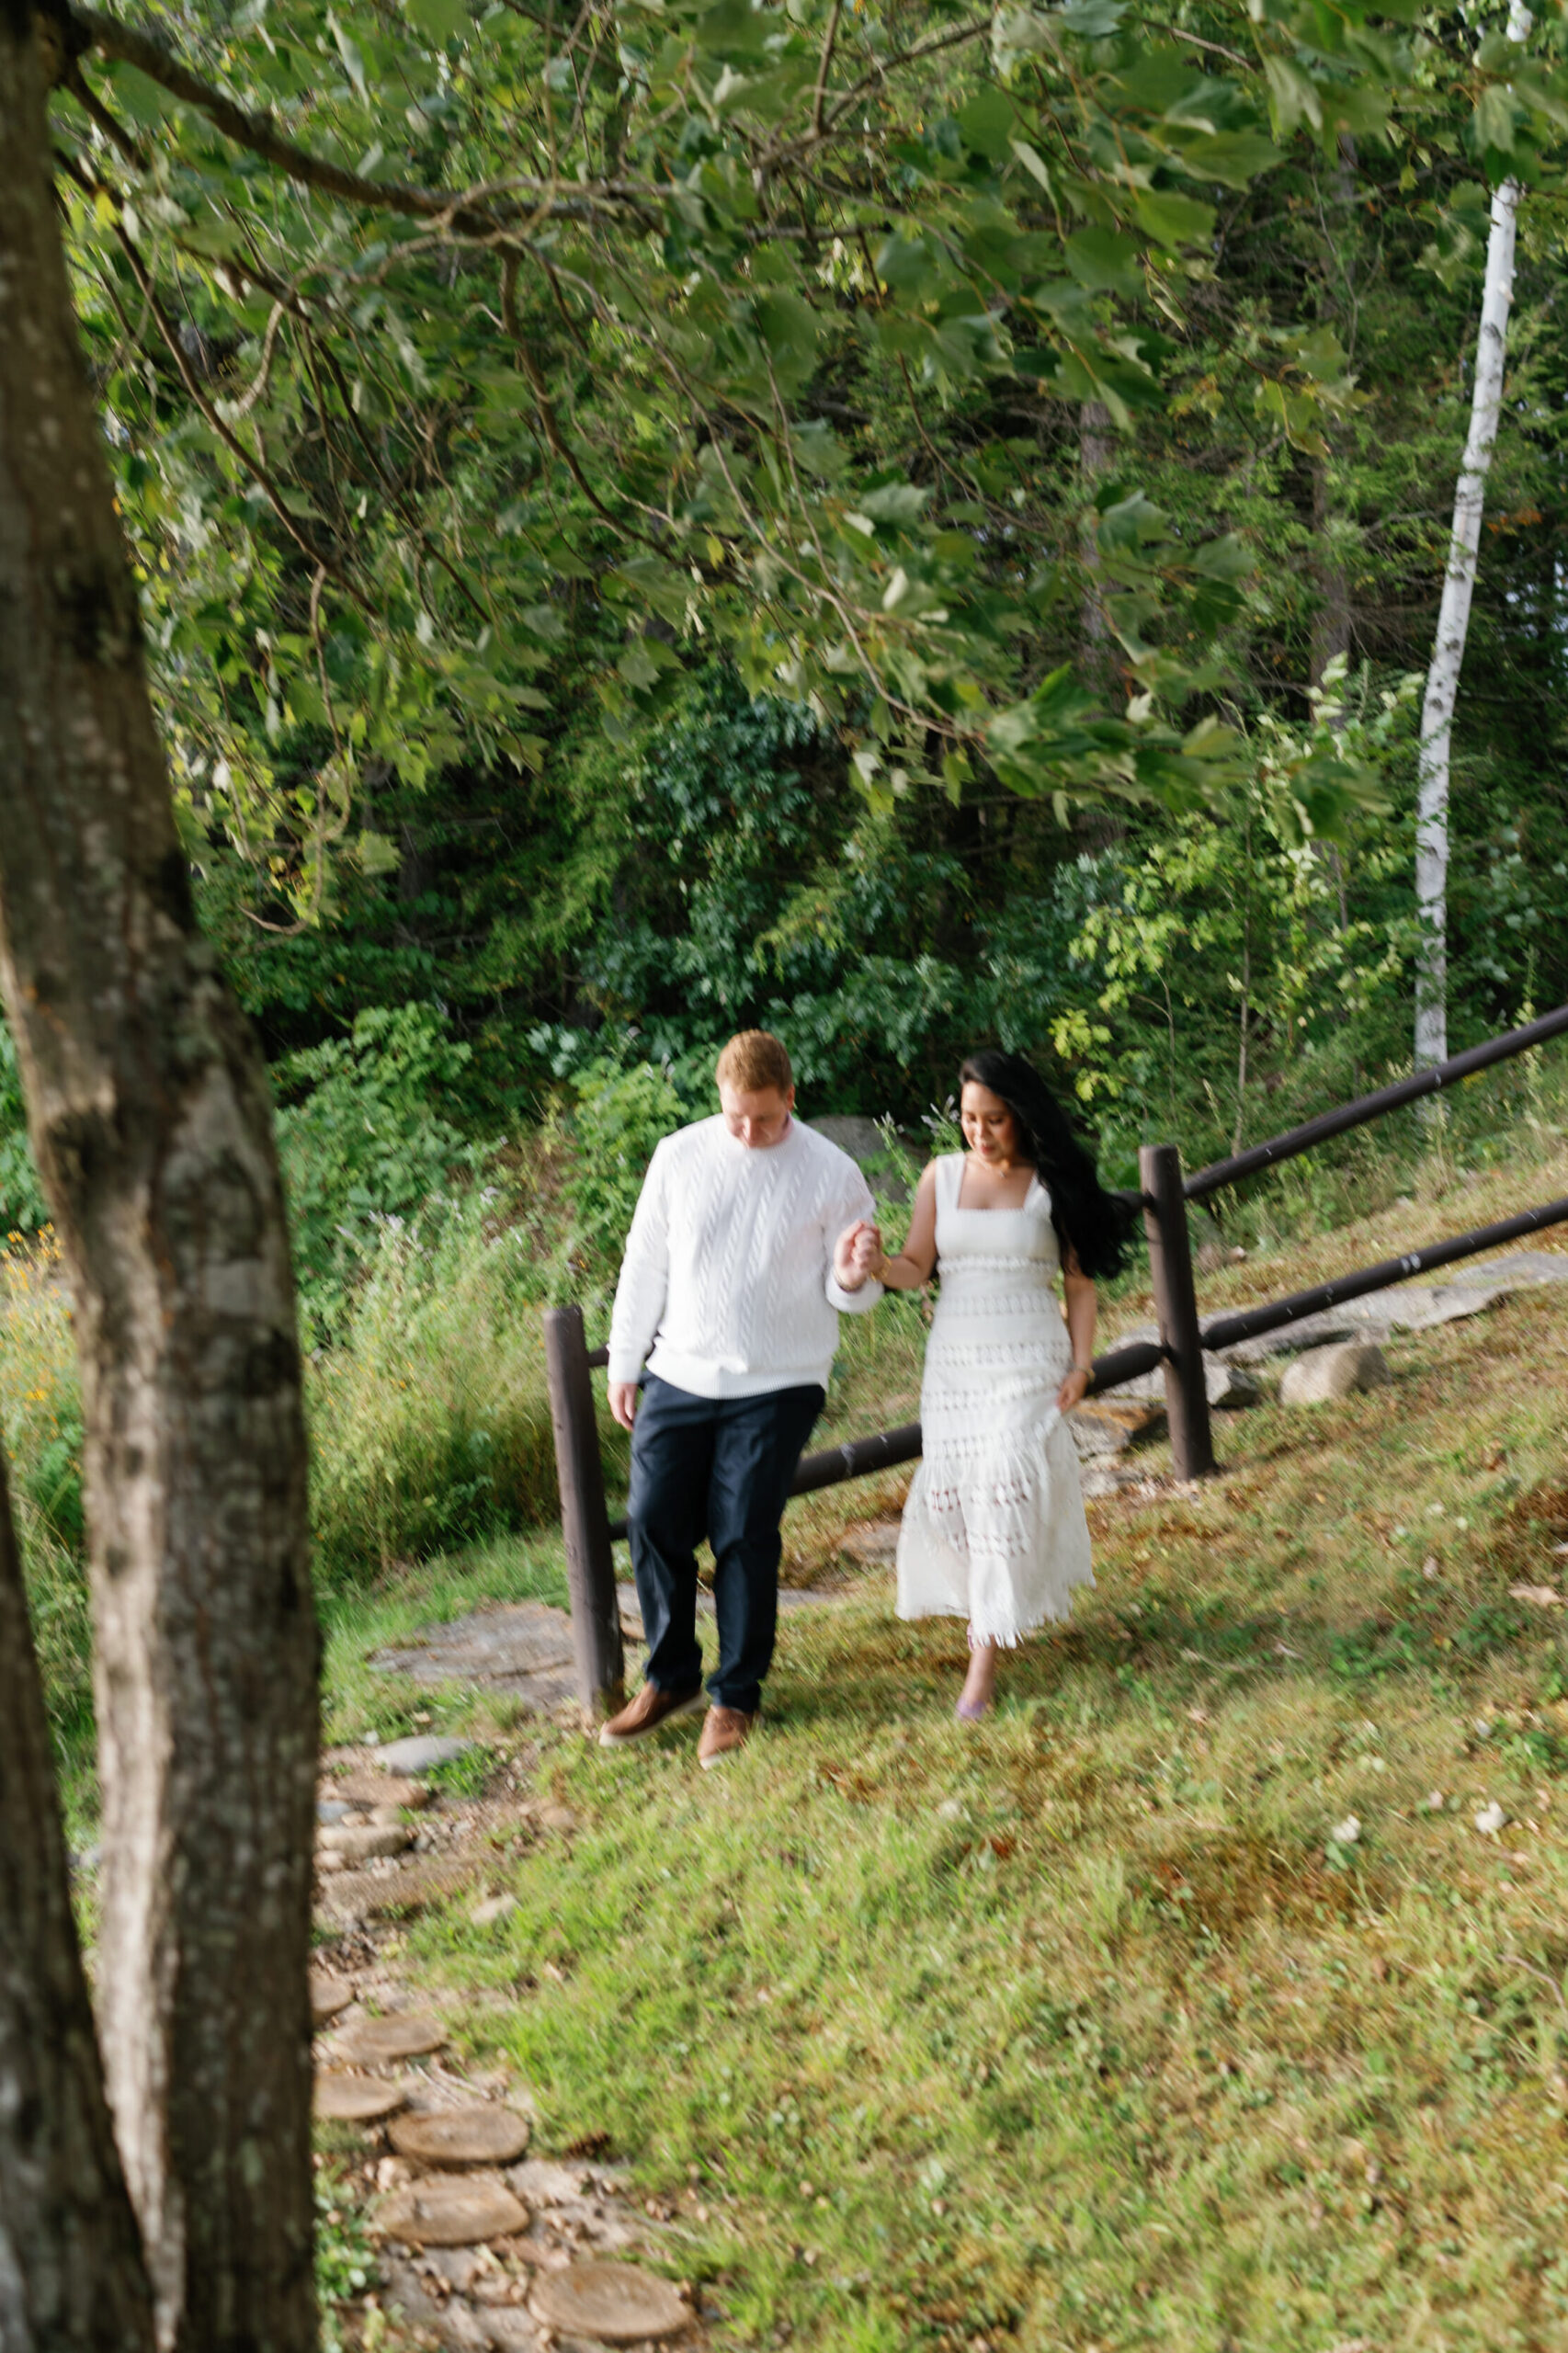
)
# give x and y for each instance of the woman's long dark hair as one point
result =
(1090, 1221)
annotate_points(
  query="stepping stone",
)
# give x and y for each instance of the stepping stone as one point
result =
(404, 2035)
(364, 1842)
(344, 2098)
(511, 2331)
(613, 2302)
(380, 1789)
(523, 1648)
(328, 1995)
(418, 1753)
(451, 2211)
(873, 1544)
(461, 2136)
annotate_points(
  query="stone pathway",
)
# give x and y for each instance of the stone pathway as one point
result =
(523, 1649)
(482, 2247)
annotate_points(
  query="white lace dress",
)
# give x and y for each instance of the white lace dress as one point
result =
(993, 1530)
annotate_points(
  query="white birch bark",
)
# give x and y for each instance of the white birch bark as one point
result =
(1453, 620)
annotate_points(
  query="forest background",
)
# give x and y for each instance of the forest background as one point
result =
(492, 895)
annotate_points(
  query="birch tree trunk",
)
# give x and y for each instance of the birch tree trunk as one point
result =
(150, 1120)
(71, 2273)
(1453, 620)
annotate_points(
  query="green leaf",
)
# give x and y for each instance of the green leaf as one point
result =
(788, 327)
(1232, 157)
(1105, 261)
(1495, 121)
(353, 64)
(440, 21)
(1174, 220)
(896, 502)
(376, 853)
(1229, 558)
(988, 123)
(1292, 98)
(1094, 19)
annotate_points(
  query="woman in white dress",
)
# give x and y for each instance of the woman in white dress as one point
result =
(993, 1530)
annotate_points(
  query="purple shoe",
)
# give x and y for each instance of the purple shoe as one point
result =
(970, 1712)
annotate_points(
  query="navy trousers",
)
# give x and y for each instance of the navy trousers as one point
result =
(719, 1468)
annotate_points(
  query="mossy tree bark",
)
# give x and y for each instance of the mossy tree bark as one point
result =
(72, 2277)
(150, 1122)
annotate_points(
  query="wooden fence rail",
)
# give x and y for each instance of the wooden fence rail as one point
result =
(589, 1533)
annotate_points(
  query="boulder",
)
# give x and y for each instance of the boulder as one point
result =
(1110, 1425)
(1228, 1384)
(860, 1138)
(1323, 1374)
(863, 1141)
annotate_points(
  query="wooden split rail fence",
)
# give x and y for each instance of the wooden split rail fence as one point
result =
(590, 1534)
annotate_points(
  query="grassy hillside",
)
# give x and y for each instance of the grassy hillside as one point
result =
(1101, 2027)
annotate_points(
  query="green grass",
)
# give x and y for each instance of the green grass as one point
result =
(1083, 2031)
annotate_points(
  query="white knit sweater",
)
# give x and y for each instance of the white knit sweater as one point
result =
(727, 1287)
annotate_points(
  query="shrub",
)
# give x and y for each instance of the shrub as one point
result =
(430, 1418)
(367, 1140)
(621, 1113)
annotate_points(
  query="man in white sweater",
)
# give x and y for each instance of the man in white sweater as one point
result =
(750, 1234)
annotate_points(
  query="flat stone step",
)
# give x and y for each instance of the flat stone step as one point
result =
(523, 1648)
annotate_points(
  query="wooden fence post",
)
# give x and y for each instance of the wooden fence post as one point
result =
(585, 1523)
(1175, 1304)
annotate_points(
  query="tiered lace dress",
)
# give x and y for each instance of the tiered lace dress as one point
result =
(993, 1530)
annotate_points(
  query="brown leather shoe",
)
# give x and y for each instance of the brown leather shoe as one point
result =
(652, 1707)
(724, 1732)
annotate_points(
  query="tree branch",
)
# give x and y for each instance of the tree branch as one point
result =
(230, 439)
(470, 211)
(545, 406)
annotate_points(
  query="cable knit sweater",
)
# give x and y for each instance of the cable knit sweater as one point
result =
(727, 1287)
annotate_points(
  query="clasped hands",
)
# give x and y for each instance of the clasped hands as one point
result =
(857, 1254)
(857, 1259)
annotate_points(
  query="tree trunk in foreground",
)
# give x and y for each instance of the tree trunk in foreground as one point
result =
(1453, 620)
(150, 1119)
(71, 2274)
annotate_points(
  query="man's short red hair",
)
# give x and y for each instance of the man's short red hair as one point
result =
(754, 1060)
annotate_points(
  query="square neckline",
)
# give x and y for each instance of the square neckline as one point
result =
(1013, 1208)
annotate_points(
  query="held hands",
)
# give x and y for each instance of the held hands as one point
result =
(1072, 1390)
(856, 1256)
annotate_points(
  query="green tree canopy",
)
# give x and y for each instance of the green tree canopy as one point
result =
(456, 359)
